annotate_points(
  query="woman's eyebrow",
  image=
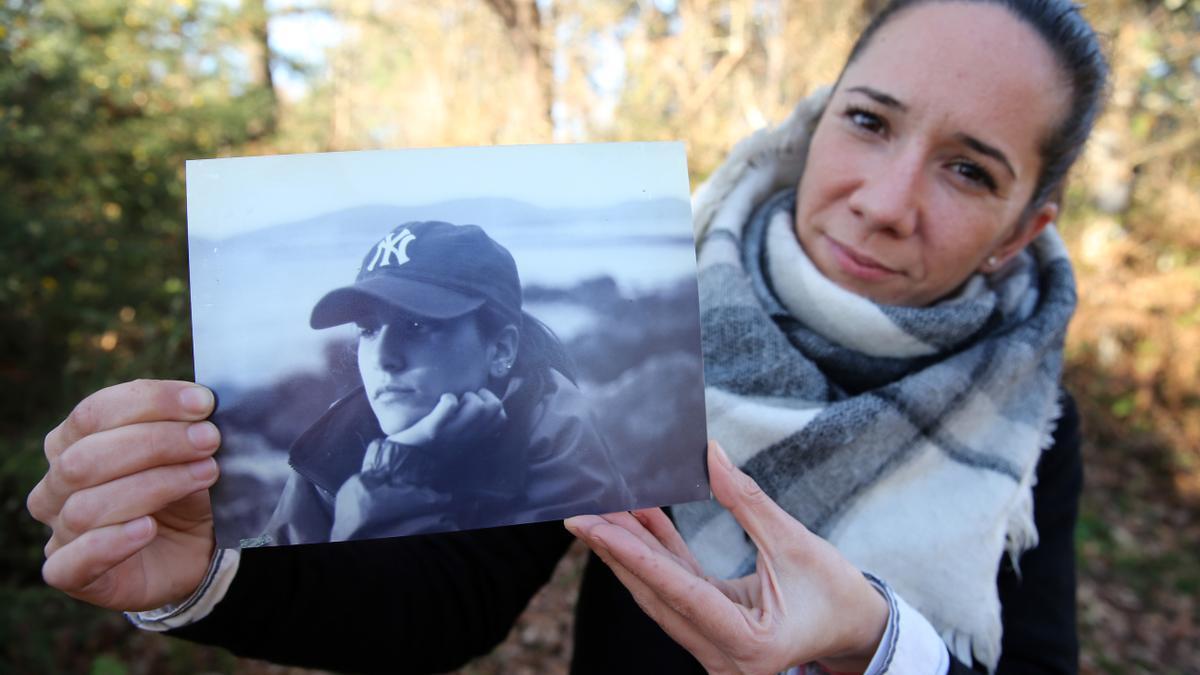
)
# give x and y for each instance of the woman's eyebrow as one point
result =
(985, 149)
(879, 97)
(970, 141)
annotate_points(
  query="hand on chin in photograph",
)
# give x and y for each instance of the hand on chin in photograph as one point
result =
(395, 469)
(453, 422)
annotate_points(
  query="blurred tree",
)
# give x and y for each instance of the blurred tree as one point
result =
(423, 73)
(523, 22)
(706, 71)
(501, 71)
(100, 103)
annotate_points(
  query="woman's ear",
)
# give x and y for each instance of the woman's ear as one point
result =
(502, 351)
(1020, 237)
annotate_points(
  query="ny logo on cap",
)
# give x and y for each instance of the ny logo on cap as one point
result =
(392, 246)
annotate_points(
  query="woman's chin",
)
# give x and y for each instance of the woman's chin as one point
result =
(393, 422)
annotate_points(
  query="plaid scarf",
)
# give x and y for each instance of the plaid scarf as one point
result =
(907, 437)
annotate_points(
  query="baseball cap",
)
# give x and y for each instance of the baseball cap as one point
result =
(431, 269)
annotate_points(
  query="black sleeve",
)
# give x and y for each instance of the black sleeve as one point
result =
(1038, 603)
(412, 604)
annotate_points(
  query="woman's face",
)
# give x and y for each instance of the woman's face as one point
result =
(408, 362)
(927, 154)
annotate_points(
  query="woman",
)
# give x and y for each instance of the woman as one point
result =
(889, 297)
(882, 355)
(450, 365)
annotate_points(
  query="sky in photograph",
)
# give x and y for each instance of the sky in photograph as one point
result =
(227, 197)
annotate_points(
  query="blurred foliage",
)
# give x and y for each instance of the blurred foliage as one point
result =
(100, 104)
(1133, 355)
(102, 101)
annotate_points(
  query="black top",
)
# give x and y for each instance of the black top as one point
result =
(430, 603)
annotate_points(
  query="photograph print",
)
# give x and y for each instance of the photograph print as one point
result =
(417, 341)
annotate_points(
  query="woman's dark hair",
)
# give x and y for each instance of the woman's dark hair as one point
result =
(1079, 56)
(538, 349)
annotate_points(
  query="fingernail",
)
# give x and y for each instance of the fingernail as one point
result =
(204, 435)
(203, 469)
(137, 529)
(721, 456)
(198, 400)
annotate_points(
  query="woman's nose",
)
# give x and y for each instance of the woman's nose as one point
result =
(888, 196)
(391, 348)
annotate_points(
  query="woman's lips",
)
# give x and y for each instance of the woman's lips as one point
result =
(394, 392)
(858, 265)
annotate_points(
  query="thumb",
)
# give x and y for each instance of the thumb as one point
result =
(767, 524)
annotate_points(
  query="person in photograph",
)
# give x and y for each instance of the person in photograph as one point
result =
(467, 416)
(884, 303)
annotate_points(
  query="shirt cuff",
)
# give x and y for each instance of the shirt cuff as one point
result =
(909, 644)
(221, 570)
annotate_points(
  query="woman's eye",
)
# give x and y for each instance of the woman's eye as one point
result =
(866, 120)
(975, 174)
(367, 330)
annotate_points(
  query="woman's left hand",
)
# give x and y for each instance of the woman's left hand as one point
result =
(382, 494)
(457, 421)
(805, 602)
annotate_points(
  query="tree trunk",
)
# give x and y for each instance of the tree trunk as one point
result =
(257, 21)
(523, 20)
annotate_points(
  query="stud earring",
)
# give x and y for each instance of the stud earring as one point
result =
(993, 262)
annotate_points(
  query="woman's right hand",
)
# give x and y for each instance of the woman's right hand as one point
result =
(126, 495)
(803, 602)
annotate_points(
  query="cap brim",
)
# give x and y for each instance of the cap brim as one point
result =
(350, 303)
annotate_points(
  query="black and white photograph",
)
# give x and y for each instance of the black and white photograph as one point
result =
(416, 341)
